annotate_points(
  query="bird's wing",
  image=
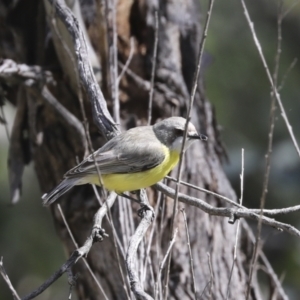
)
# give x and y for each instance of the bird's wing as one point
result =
(123, 155)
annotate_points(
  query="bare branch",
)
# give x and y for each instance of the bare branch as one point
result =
(190, 254)
(96, 235)
(189, 110)
(211, 279)
(101, 114)
(237, 228)
(3, 121)
(105, 211)
(267, 264)
(161, 265)
(140, 82)
(7, 280)
(135, 240)
(84, 259)
(270, 146)
(291, 66)
(274, 88)
(128, 61)
(269, 212)
(154, 58)
(113, 55)
(68, 264)
(66, 115)
(231, 213)
(150, 238)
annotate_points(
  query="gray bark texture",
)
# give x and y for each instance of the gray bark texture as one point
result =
(35, 35)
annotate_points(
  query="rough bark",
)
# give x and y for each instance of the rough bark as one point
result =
(55, 146)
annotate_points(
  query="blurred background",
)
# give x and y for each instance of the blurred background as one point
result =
(237, 86)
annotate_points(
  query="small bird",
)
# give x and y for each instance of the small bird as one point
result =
(135, 159)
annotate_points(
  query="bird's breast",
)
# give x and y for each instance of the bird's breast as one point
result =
(143, 179)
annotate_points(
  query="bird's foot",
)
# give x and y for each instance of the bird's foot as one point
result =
(144, 208)
(98, 234)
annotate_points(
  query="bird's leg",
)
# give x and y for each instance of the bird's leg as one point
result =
(129, 197)
(145, 205)
(142, 200)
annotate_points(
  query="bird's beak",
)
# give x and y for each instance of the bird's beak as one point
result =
(197, 136)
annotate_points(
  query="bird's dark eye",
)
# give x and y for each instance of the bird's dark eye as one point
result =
(179, 132)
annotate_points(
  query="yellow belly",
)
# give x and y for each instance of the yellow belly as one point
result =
(135, 181)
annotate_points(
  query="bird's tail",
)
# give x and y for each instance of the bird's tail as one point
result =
(60, 189)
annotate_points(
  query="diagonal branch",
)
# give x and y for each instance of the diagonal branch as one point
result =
(101, 115)
(273, 86)
(7, 280)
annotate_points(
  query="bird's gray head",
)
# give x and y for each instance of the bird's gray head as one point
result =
(171, 133)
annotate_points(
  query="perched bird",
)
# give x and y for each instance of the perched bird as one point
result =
(135, 159)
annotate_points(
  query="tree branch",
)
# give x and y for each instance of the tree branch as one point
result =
(231, 213)
(135, 240)
(7, 280)
(101, 115)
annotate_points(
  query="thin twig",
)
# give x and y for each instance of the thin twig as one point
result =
(115, 237)
(211, 279)
(161, 265)
(154, 58)
(190, 254)
(67, 265)
(135, 240)
(205, 191)
(290, 68)
(79, 252)
(237, 228)
(110, 222)
(151, 238)
(76, 246)
(159, 243)
(296, 2)
(67, 225)
(211, 275)
(128, 61)
(98, 217)
(269, 149)
(274, 88)
(232, 213)
(4, 122)
(267, 264)
(66, 115)
(269, 212)
(7, 280)
(279, 42)
(113, 56)
(139, 81)
(189, 110)
(123, 219)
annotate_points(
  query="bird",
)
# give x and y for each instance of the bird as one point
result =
(133, 160)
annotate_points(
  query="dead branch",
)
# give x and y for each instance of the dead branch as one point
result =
(232, 213)
(135, 240)
(7, 280)
(189, 111)
(273, 86)
(68, 25)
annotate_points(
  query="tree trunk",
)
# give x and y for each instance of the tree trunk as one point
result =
(55, 146)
